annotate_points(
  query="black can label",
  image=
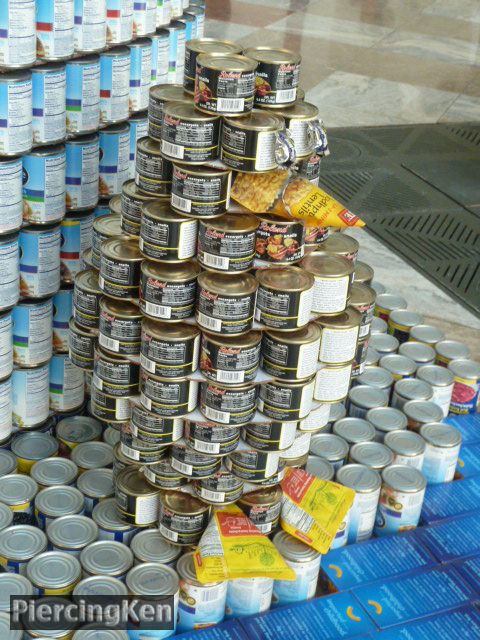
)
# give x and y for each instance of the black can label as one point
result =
(253, 465)
(120, 335)
(192, 464)
(168, 241)
(141, 511)
(225, 250)
(203, 196)
(222, 488)
(116, 378)
(190, 69)
(168, 398)
(309, 168)
(228, 406)
(164, 475)
(273, 436)
(150, 422)
(182, 528)
(224, 314)
(264, 517)
(289, 361)
(108, 408)
(248, 149)
(280, 243)
(86, 308)
(140, 451)
(155, 117)
(167, 300)
(82, 349)
(169, 359)
(208, 437)
(276, 84)
(283, 309)
(224, 92)
(119, 279)
(229, 365)
(282, 402)
(190, 140)
(367, 316)
(360, 357)
(153, 173)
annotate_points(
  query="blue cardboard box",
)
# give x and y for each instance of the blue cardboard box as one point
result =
(470, 571)
(469, 427)
(373, 560)
(329, 618)
(462, 623)
(468, 461)
(230, 630)
(453, 539)
(417, 595)
(451, 499)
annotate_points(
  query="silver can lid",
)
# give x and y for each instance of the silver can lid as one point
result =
(59, 501)
(17, 489)
(372, 454)
(96, 483)
(105, 514)
(441, 435)
(54, 569)
(465, 369)
(22, 542)
(427, 334)
(151, 546)
(186, 568)
(93, 455)
(413, 389)
(72, 532)
(378, 325)
(368, 397)
(387, 419)
(360, 478)
(54, 471)
(6, 516)
(390, 301)
(405, 443)
(452, 349)
(435, 375)
(292, 549)
(337, 411)
(111, 436)
(398, 365)
(420, 353)
(373, 356)
(106, 557)
(354, 430)
(423, 411)
(8, 462)
(406, 318)
(152, 579)
(34, 446)
(404, 478)
(100, 586)
(13, 584)
(320, 468)
(375, 377)
(5, 631)
(329, 446)
(78, 429)
(384, 343)
(100, 634)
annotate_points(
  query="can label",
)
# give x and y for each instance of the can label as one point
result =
(11, 205)
(176, 55)
(309, 168)
(44, 187)
(289, 361)
(114, 162)
(397, 511)
(208, 606)
(5, 408)
(89, 31)
(114, 87)
(208, 196)
(248, 596)
(302, 588)
(160, 46)
(54, 29)
(82, 175)
(282, 402)
(67, 385)
(32, 334)
(225, 92)
(410, 461)
(253, 465)
(276, 84)
(248, 150)
(167, 300)
(110, 409)
(193, 465)
(15, 117)
(83, 96)
(172, 240)
(82, 348)
(119, 279)
(190, 69)
(229, 365)
(121, 335)
(362, 516)
(228, 406)
(224, 250)
(465, 395)
(222, 314)
(273, 436)
(168, 398)
(17, 33)
(30, 396)
(9, 272)
(140, 74)
(76, 238)
(40, 263)
(182, 528)
(222, 488)
(6, 346)
(149, 422)
(330, 294)
(144, 17)
(118, 378)
(153, 174)
(283, 309)
(208, 437)
(443, 397)
(169, 359)
(86, 307)
(367, 317)
(338, 345)
(142, 509)
(119, 21)
(264, 517)
(163, 12)
(190, 140)
(48, 105)
(138, 129)
(280, 243)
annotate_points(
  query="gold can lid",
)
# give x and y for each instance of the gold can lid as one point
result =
(167, 92)
(180, 272)
(187, 111)
(170, 332)
(130, 189)
(122, 248)
(327, 265)
(183, 503)
(285, 278)
(241, 222)
(361, 294)
(299, 111)
(363, 272)
(88, 281)
(308, 333)
(119, 308)
(230, 284)
(348, 319)
(148, 145)
(108, 226)
(212, 45)
(226, 62)
(115, 205)
(132, 482)
(250, 339)
(273, 55)
(338, 244)
(264, 497)
(258, 120)
(161, 210)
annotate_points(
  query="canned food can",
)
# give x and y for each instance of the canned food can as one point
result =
(6, 409)
(104, 228)
(54, 29)
(232, 406)
(109, 408)
(263, 507)
(32, 326)
(252, 465)
(378, 326)
(82, 173)
(11, 205)
(192, 464)
(83, 95)
(18, 45)
(420, 353)
(160, 46)
(410, 389)
(222, 488)
(306, 129)
(89, 30)
(363, 274)
(332, 383)
(426, 334)
(466, 375)
(92, 455)
(420, 412)
(62, 312)
(163, 475)
(17, 550)
(82, 343)
(230, 360)
(169, 398)
(9, 271)
(371, 454)
(399, 366)
(189, 136)
(377, 377)
(354, 430)
(298, 450)
(282, 400)
(333, 276)
(120, 267)
(53, 502)
(119, 21)
(138, 450)
(49, 87)
(339, 337)
(248, 596)
(194, 47)
(132, 200)
(67, 386)
(401, 321)
(155, 428)
(401, 500)
(114, 375)
(140, 74)
(309, 168)
(385, 420)
(138, 129)
(227, 243)
(442, 447)
(408, 448)
(96, 485)
(13, 585)
(114, 85)
(388, 302)
(159, 95)
(448, 350)
(366, 483)
(182, 518)
(340, 245)
(114, 159)
(305, 562)
(330, 447)
(30, 396)
(442, 382)
(151, 546)
(73, 431)
(71, 534)
(168, 292)
(362, 299)
(284, 299)
(76, 237)
(6, 345)
(106, 558)
(39, 261)
(16, 112)
(101, 586)
(276, 76)
(384, 344)
(149, 445)
(120, 326)
(362, 398)
(153, 172)
(31, 447)
(144, 18)
(54, 573)
(110, 525)
(170, 351)
(176, 51)
(317, 420)
(211, 438)
(166, 236)
(320, 468)
(51, 472)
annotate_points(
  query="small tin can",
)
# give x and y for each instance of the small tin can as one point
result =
(362, 299)
(83, 95)
(201, 45)
(109, 408)
(167, 350)
(304, 125)
(330, 447)
(305, 562)
(248, 596)
(151, 546)
(466, 375)
(292, 355)
(384, 344)
(182, 518)
(152, 428)
(176, 50)
(388, 302)
(332, 383)
(138, 450)
(162, 475)
(53, 502)
(120, 327)
(426, 334)
(115, 375)
(385, 420)
(51, 472)
(111, 436)
(442, 381)
(442, 447)
(204, 192)
(86, 299)
(16, 113)
(114, 85)
(54, 573)
(140, 73)
(32, 327)
(160, 45)
(377, 377)
(366, 483)
(230, 360)
(220, 489)
(374, 455)
(131, 207)
(227, 243)
(189, 136)
(71, 534)
(31, 447)
(6, 410)
(191, 464)
(114, 158)
(448, 350)
(137, 501)
(211, 438)
(153, 172)
(231, 406)
(11, 204)
(10, 271)
(49, 86)
(401, 321)
(39, 261)
(101, 586)
(96, 485)
(339, 336)
(104, 228)
(17, 550)
(378, 326)
(54, 29)
(168, 291)
(17, 22)
(420, 412)
(399, 366)
(89, 29)
(30, 396)
(254, 466)
(401, 500)
(408, 448)
(263, 507)
(276, 77)
(340, 245)
(92, 455)
(333, 276)
(138, 130)
(164, 235)
(82, 344)
(76, 237)
(309, 168)
(110, 525)
(320, 468)
(62, 312)
(354, 430)
(119, 21)
(362, 398)
(410, 389)
(318, 420)
(169, 398)
(144, 18)
(281, 400)
(120, 267)
(12, 584)
(8, 465)
(363, 273)
(420, 353)
(82, 173)
(284, 299)
(106, 558)
(159, 95)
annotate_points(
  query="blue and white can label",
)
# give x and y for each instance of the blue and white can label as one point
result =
(440, 463)
(39, 262)
(54, 29)
(119, 21)
(124, 536)
(200, 605)
(82, 173)
(176, 9)
(114, 85)
(138, 129)
(49, 91)
(30, 396)
(160, 49)
(44, 174)
(9, 271)
(32, 333)
(76, 231)
(5, 409)
(341, 536)
(114, 159)
(90, 29)
(302, 588)
(140, 74)
(102, 209)
(62, 312)
(83, 95)
(397, 511)
(248, 596)
(17, 33)
(15, 114)
(67, 384)
(6, 345)
(144, 17)
(11, 204)
(163, 13)
(176, 53)
(362, 516)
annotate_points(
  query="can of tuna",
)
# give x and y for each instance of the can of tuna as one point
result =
(167, 292)
(272, 436)
(388, 302)
(188, 135)
(252, 465)
(401, 321)
(114, 158)
(332, 383)
(158, 97)
(263, 507)
(6, 345)
(120, 267)
(222, 488)
(163, 475)
(169, 398)
(203, 45)
(17, 550)
(119, 21)
(176, 51)
(11, 205)
(426, 334)
(230, 360)
(448, 350)
(18, 44)
(420, 353)
(76, 237)
(114, 85)
(366, 483)
(166, 236)
(138, 129)
(109, 408)
(410, 389)
(67, 385)
(182, 517)
(75, 430)
(286, 401)
(441, 452)
(96, 485)
(83, 95)
(354, 430)
(39, 261)
(284, 299)
(385, 420)
(192, 464)
(362, 398)
(276, 76)
(279, 241)
(401, 500)
(32, 338)
(31, 447)
(153, 172)
(144, 18)
(111, 436)
(408, 448)
(151, 546)
(82, 173)
(89, 30)
(362, 299)
(371, 454)
(140, 74)
(164, 430)
(377, 377)
(292, 355)
(82, 343)
(110, 525)
(132, 200)
(92, 455)
(30, 396)
(333, 276)
(49, 86)
(150, 581)
(232, 406)
(120, 326)
(305, 562)
(114, 375)
(160, 45)
(227, 243)
(211, 438)
(53, 502)
(399, 366)
(151, 442)
(71, 534)
(9, 271)
(6, 411)
(54, 29)
(441, 381)
(170, 351)
(384, 344)
(420, 412)
(138, 450)
(104, 228)
(466, 375)
(106, 558)
(15, 113)
(62, 312)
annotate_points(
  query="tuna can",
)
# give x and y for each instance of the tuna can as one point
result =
(192, 464)
(32, 333)
(54, 573)
(332, 383)
(284, 299)
(170, 351)
(31, 447)
(96, 485)
(167, 292)
(362, 299)
(71, 534)
(140, 73)
(338, 342)
(228, 243)
(263, 507)
(11, 204)
(49, 86)
(15, 112)
(378, 326)
(333, 275)
(120, 267)
(420, 412)
(366, 483)
(153, 172)
(363, 273)
(340, 245)
(18, 491)
(82, 173)
(76, 237)
(188, 135)
(83, 95)
(119, 21)
(257, 142)
(305, 562)
(164, 235)
(169, 398)
(410, 389)
(442, 381)
(448, 350)
(13, 585)
(224, 83)
(283, 401)
(466, 386)
(110, 526)
(230, 360)
(30, 396)
(201, 45)
(132, 201)
(104, 228)
(151, 435)
(385, 420)
(408, 448)
(388, 302)
(144, 18)
(159, 96)
(39, 261)
(420, 353)
(53, 502)
(441, 452)
(111, 436)
(114, 375)
(138, 130)
(106, 558)
(182, 518)
(252, 465)
(114, 85)
(6, 345)
(222, 488)
(371, 454)
(109, 408)
(205, 193)
(8, 465)
(51, 472)
(163, 475)
(101, 586)
(384, 344)
(426, 334)
(62, 312)
(276, 77)
(401, 500)
(399, 366)
(401, 321)
(211, 438)
(232, 406)
(92, 455)
(54, 29)
(137, 501)
(120, 327)
(18, 44)
(82, 343)
(9, 271)
(320, 468)
(114, 158)
(176, 51)
(226, 302)
(89, 30)
(138, 450)
(354, 430)
(151, 546)
(6, 410)
(18, 545)
(160, 45)
(375, 377)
